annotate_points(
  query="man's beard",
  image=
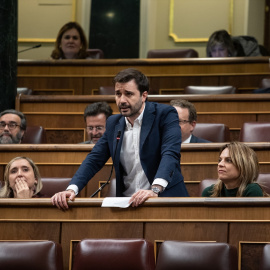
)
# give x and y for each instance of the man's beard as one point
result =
(10, 139)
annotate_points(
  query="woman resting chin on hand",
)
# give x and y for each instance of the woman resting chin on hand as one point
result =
(21, 179)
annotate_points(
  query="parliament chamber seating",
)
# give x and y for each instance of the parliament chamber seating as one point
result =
(212, 132)
(120, 254)
(34, 135)
(174, 255)
(172, 53)
(24, 90)
(263, 180)
(30, 255)
(265, 262)
(52, 185)
(204, 184)
(95, 53)
(265, 83)
(255, 132)
(209, 90)
(111, 190)
(106, 90)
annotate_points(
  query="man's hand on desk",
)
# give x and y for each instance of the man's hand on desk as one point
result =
(60, 199)
(141, 196)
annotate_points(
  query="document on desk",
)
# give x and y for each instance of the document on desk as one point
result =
(122, 202)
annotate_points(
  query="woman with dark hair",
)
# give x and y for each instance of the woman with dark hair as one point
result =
(21, 179)
(70, 43)
(238, 170)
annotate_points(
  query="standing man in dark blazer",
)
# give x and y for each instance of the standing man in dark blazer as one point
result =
(187, 120)
(146, 158)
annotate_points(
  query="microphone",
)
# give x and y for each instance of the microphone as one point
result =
(107, 182)
(36, 46)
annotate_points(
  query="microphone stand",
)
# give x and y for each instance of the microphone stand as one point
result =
(36, 46)
(107, 182)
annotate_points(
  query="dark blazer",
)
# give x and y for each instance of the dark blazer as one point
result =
(195, 139)
(160, 143)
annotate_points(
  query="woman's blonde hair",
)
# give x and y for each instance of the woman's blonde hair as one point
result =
(6, 191)
(246, 162)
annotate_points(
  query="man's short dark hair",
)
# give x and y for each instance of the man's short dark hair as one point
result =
(97, 108)
(184, 104)
(126, 75)
(20, 114)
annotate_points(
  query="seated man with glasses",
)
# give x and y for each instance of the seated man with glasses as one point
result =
(95, 117)
(12, 127)
(187, 120)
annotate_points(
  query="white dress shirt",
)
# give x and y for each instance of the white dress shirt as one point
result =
(187, 140)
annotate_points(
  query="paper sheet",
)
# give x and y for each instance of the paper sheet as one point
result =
(122, 202)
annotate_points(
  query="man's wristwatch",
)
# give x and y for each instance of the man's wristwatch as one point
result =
(156, 190)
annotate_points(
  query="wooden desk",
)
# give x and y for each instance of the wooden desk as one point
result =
(166, 76)
(198, 161)
(184, 219)
(62, 116)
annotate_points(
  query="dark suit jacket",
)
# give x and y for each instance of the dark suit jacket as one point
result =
(160, 143)
(195, 139)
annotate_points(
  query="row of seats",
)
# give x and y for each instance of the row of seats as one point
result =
(263, 180)
(52, 185)
(188, 90)
(163, 53)
(250, 132)
(123, 254)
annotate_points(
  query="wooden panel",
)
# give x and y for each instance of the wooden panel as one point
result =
(250, 253)
(187, 231)
(187, 219)
(83, 76)
(30, 231)
(67, 136)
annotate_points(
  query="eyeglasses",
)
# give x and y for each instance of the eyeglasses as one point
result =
(182, 122)
(98, 128)
(11, 125)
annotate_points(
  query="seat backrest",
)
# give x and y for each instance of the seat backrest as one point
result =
(204, 184)
(265, 83)
(111, 188)
(209, 90)
(196, 256)
(172, 53)
(106, 90)
(30, 255)
(212, 132)
(255, 132)
(34, 134)
(24, 90)
(52, 185)
(265, 261)
(95, 53)
(264, 181)
(120, 254)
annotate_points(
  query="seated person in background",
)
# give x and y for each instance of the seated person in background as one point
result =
(21, 179)
(187, 120)
(12, 127)
(95, 117)
(238, 170)
(70, 43)
(221, 44)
